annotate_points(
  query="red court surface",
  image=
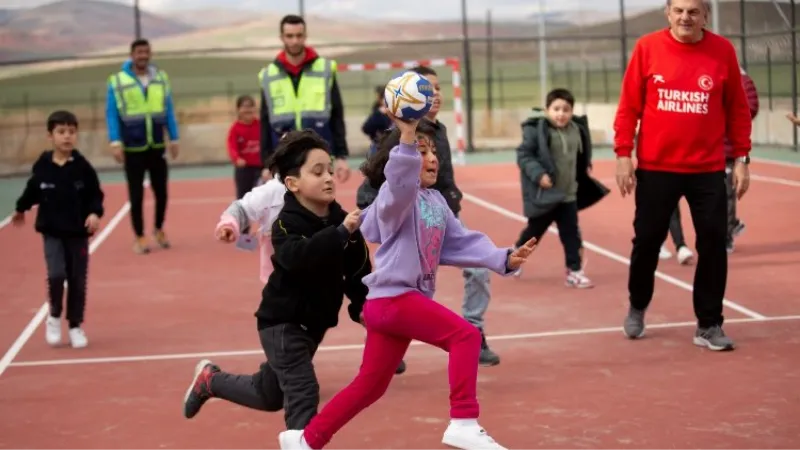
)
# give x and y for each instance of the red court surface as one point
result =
(568, 378)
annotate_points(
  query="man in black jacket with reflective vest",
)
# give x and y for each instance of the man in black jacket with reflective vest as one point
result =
(290, 99)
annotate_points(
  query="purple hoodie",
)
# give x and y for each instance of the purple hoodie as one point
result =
(417, 232)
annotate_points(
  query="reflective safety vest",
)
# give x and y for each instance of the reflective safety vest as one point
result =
(143, 114)
(307, 107)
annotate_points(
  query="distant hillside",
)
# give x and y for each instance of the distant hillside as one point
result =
(209, 17)
(68, 27)
(760, 16)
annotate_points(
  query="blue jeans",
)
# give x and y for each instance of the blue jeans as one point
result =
(476, 295)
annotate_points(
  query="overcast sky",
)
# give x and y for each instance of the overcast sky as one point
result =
(440, 9)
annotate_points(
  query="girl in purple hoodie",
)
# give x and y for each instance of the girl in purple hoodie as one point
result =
(417, 232)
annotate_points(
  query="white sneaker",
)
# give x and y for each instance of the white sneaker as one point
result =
(685, 256)
(52, 330)
(293, 439)
(78, 338)
(664, 253)
(469, 437)
(578, 279)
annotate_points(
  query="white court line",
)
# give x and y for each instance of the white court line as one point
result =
(775, 180)
(26, 334)
(5, 222)
(340, 348)
(611, 255)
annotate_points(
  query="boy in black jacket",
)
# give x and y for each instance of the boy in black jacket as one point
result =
(319, 256)
(66, 188)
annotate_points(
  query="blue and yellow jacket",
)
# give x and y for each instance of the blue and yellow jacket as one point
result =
(114, 121)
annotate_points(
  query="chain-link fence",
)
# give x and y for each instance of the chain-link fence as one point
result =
(501, 71)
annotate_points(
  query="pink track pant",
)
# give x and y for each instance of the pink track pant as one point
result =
(391, 325)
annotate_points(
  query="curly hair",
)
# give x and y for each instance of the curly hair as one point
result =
(292, 152)
(373, 167)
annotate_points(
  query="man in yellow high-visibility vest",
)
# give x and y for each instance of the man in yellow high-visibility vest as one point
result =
(299, 91)
(138, 109)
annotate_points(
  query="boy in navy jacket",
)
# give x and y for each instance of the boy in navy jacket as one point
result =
(66, 187)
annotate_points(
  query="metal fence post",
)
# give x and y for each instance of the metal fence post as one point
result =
(794, 70)
(769, 78)
(743, 31)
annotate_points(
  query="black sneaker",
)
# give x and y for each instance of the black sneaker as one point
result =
(200, 389)
(488, 358)
(401, 368)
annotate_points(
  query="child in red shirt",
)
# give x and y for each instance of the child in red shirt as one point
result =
(244, 146)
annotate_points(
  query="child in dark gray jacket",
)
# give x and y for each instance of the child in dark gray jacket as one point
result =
(555, 158)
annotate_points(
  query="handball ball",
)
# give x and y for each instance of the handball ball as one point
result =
(408, 96)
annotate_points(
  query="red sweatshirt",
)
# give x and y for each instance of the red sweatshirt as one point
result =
(244, 141)
(686, 98)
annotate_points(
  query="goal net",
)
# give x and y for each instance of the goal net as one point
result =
(378, 73)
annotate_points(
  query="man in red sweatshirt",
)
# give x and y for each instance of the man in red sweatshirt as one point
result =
(683, 87)
(735, 225)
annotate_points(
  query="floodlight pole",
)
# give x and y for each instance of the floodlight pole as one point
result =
(137, 20)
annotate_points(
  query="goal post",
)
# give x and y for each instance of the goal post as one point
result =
(453, 64)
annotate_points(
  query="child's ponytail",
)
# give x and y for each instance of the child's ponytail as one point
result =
(372, 168)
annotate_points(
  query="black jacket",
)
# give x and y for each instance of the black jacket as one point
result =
(445, 179)
(66, 195)
(376, 123)
(338, 131)
(534, 160)
(315, 263)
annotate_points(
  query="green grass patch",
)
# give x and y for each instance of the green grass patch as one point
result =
(514, 83)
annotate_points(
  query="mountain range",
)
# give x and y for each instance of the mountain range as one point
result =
(68, 28)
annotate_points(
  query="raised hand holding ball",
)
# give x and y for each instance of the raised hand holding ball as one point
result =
(408, 96)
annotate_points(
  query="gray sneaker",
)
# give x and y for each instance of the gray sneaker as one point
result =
(634, 323)
(488, 357)
(713, 338)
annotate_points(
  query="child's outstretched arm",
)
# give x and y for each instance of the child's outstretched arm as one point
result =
(467, 248)
(396, 197)
(297, 252)
(251, 208)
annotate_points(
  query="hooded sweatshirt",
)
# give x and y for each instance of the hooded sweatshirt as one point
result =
(316, 263)
(417, 232)
(66, 195)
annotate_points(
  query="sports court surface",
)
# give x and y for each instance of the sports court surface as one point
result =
(568, 377)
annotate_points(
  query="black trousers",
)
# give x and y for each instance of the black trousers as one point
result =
(657, 196)
(287, 379)
(245, 179)
(733, 220)
(154, 163)
(67, 260)
(565, 215)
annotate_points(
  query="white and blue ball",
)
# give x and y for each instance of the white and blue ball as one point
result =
(408, 96)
